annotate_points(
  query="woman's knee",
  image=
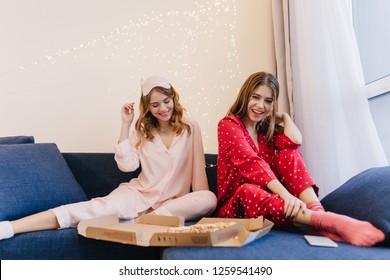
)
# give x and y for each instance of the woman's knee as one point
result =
(121, 203)
(207, 198)
(248, 189)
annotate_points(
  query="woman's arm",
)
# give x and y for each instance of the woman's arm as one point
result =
(126, 155)
(292, 204)
(199, 177)
(290, 129)
(127, 114)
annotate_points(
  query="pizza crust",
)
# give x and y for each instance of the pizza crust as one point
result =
(200, 228)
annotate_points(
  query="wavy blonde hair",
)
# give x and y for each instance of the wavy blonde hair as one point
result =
(240, 106)
(147, 122)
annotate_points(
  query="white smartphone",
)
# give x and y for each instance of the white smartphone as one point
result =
(323, 241)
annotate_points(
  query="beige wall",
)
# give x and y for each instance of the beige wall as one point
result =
(67, 67)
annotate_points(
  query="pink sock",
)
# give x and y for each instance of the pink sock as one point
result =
(315, 206)
(358, 233)
(318, 232)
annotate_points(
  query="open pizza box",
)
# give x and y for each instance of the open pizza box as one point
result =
(151, 230)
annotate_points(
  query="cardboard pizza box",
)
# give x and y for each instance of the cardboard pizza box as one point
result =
(151, 230)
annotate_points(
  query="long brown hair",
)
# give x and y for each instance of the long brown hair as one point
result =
(240, 106)
(147, 122)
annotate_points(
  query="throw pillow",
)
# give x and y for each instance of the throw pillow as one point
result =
(34, 178)
(17, 140)
(365, 196)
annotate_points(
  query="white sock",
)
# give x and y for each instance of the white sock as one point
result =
(6, 230)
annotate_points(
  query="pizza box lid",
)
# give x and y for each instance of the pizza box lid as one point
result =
(151, 230)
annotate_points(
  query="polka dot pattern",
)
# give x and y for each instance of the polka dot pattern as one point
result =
(244, 172)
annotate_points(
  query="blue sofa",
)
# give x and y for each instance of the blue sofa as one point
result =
(37, 176)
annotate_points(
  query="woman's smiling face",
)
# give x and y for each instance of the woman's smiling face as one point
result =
(161, 106)
(260, 104)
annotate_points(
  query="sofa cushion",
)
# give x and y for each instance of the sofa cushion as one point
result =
(365, 196)
(16, 140)
(33, 178)
(67, 244)
(278, 244)
(97, 173)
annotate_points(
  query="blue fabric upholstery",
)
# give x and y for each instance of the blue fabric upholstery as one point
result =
(278, 244)
(67, 244)
(365, 196)
(211, 172)
(289, 243)
(97, 172)
(33, 178)
(17, 140)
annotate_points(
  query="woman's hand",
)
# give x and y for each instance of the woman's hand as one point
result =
(292, 205)
(290, 129)
(127, 113)
(279, 117)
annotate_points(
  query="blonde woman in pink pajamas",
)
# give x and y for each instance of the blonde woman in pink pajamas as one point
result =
(167, 144)
(262, 173)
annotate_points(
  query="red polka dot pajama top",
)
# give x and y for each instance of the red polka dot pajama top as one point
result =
(244, 172)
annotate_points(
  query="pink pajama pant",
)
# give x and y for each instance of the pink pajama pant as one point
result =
(121, 202)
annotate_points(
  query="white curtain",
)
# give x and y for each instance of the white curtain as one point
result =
(331, 108)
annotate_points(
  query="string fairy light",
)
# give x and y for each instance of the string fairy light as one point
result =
(140, 42)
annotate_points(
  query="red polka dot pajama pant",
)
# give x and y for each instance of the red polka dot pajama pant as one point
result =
(250, 200)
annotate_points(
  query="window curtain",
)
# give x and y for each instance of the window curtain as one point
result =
(328, 93)
(281, 28)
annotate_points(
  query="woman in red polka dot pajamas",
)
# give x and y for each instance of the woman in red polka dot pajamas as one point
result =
(262, 172)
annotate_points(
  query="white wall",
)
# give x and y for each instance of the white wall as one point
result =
(371, 24)
(66, 67)
(379, 107)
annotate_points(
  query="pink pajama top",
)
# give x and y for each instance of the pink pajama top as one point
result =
(167, 173)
